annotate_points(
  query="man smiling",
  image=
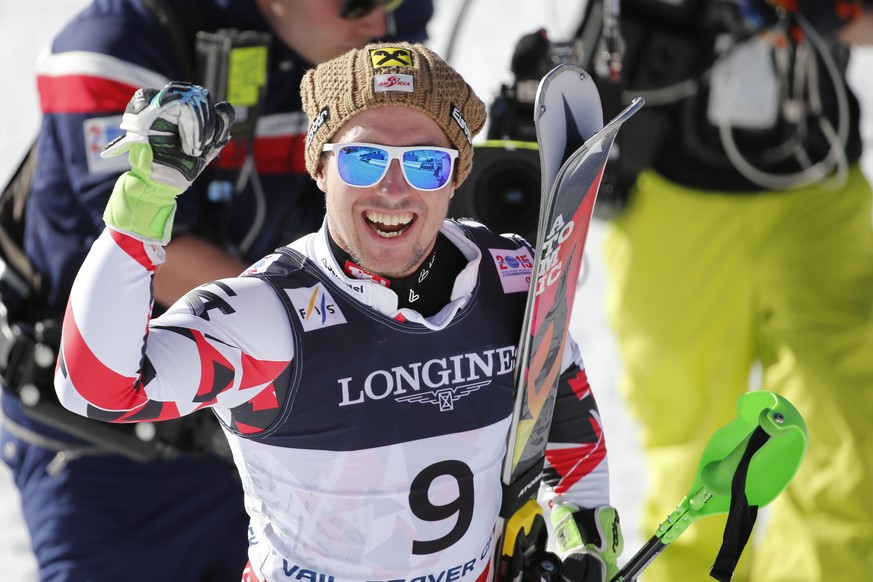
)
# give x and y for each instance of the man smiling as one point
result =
(363, 373)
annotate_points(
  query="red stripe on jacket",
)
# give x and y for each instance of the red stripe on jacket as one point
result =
(282, 154)
(82, 94)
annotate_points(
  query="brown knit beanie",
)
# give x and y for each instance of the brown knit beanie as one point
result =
(404, 74)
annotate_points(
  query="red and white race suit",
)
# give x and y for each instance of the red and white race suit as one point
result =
(369, 439)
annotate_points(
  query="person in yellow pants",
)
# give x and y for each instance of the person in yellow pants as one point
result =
(743, 259)
(703, 285)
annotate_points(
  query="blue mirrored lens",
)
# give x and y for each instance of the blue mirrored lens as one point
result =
(423, 168)
(362, 165)
(427, 169)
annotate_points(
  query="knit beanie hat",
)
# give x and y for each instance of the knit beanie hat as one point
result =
(410, 75)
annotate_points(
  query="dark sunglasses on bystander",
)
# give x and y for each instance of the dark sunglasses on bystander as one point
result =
(353, 9)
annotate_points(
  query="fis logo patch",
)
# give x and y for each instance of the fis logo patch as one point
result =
(514, 268)
(315, 307)
(391, 57)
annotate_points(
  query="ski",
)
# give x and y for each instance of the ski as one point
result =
(574, 146)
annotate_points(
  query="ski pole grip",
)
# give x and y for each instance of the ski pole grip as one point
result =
(717, 476)
(771, 468)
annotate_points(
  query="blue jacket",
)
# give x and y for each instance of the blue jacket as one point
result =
(96, 63)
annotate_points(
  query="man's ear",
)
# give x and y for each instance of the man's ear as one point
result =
(321, 178)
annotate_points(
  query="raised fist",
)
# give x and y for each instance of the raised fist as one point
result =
(181, 125)
(172, 134)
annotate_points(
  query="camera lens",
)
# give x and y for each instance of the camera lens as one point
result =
(503, 191)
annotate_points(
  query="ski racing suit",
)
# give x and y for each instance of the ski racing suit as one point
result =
(85, 81)
(369, 439)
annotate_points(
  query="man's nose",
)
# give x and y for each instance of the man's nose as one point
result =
(394, 182)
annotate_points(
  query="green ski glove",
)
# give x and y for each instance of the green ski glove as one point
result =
(172, 134)
(588, 541)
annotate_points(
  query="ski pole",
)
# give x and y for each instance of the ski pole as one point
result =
(764, 445)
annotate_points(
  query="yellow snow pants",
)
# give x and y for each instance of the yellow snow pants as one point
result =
(700, 287)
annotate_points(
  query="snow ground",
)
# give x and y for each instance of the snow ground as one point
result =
(484, 60)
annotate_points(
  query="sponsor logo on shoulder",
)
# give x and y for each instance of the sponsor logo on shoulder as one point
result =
(315, 307)
(262, 265)
(99, 131)
(514, 268)
(391, 57)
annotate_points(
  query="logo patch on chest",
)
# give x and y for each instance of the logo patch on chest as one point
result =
(315, 307)
(514, 267)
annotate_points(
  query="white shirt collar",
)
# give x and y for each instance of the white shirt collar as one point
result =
(383, 299)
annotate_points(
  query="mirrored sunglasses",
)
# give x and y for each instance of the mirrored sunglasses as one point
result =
(365, 164)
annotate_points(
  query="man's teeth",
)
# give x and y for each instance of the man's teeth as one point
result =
(389, 220)
(389, 225)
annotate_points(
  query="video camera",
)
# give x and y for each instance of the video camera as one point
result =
(666, 51)
(504, 188)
